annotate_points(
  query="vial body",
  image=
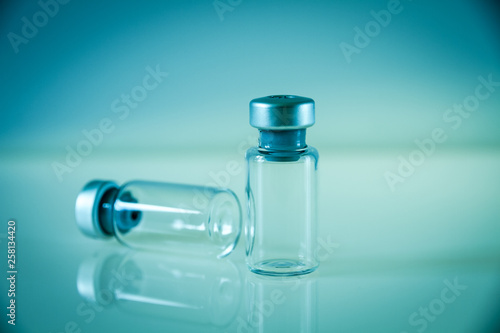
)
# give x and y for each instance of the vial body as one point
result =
(281, 227)
(177, 218)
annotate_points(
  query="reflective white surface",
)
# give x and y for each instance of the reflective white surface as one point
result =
(425, 258)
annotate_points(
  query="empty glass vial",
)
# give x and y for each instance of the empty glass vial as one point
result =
(161, 216)
(281, 188)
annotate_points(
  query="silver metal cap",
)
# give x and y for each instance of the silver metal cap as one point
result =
(282, 112)
(87, 207)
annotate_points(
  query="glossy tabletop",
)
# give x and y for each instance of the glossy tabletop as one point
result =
(425, 258)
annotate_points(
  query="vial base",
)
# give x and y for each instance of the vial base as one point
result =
(282, 267)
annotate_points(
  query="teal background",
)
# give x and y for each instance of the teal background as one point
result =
(395, 248)
(65, 79)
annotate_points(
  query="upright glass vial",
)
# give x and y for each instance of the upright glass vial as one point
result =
(281, 225)
(177, 218)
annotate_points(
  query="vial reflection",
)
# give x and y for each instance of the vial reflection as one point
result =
(173, 288)
(279, 304)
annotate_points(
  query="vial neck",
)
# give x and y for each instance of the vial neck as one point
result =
(285, 140)
(124, 220)
(105, 211)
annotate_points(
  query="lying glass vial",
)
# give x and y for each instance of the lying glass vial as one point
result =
(177, 218)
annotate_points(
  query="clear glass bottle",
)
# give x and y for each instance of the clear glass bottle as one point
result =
(161, 216)
(281, 188)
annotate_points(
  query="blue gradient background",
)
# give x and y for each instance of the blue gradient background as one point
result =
(394, 91)
(444, 221)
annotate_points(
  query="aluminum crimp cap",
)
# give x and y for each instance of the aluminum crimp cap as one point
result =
(87, 207)
(282, 112)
